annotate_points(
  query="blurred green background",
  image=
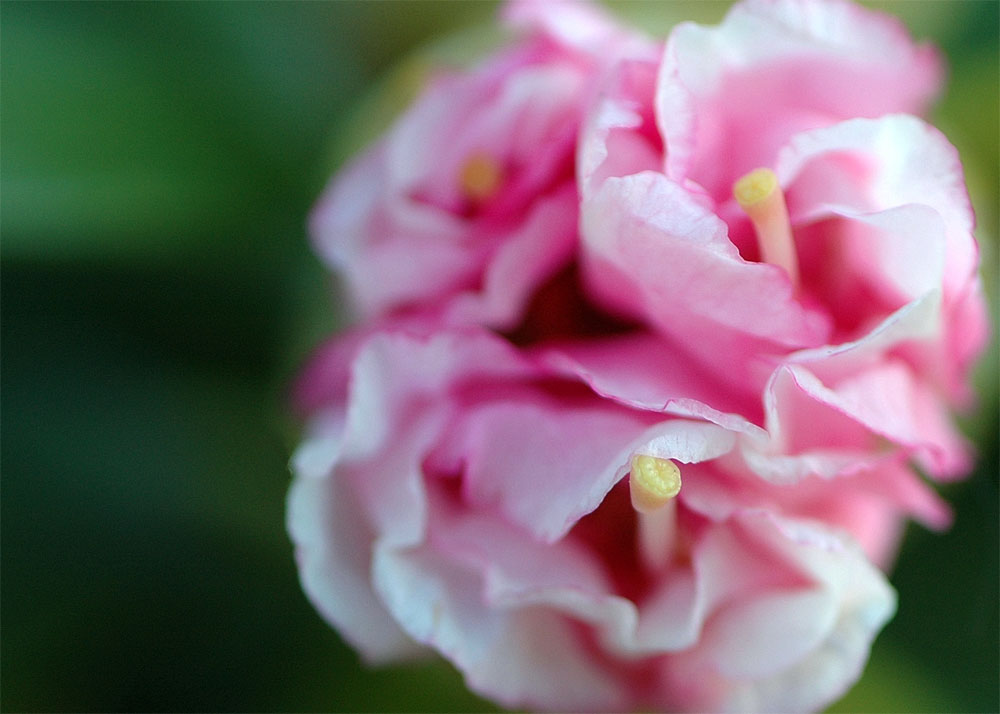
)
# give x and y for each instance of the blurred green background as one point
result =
(158, 161)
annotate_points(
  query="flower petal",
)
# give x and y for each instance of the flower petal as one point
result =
(520, 657)
(652, 373)
(905, 162)
(652, 252)
(333, 551)
(531, 254)
(884, 400)
(791, 648)
(731, 95)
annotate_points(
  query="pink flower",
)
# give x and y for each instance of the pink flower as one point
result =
(456, 494)
(470, 201)
(860, 265)
(673, 479)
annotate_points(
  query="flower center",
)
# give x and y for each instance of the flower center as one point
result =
(653, 484)
(479, 177)
(760, 196)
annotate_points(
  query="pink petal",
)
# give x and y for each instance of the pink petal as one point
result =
(730, 96)
(333, 551)
(618, 137)
(545, 463)
(519, 657)
(817, 635)
(651, 251)
(414, 241)
(868, 497)
(886, 400)
(531, 254)
(652, 373)
(907, 162)
(577, 25)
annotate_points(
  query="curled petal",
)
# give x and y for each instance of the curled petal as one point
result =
(730, 96)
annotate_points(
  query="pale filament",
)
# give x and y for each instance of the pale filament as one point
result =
(760, 196)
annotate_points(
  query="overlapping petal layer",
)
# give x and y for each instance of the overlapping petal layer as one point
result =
(492, 527)
(469, 202)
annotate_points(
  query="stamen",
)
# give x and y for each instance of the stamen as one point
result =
(479, 177)
(653, 484)
(760, 195)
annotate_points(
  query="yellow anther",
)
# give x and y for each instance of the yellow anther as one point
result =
(760, 195)
(755, 187)
(479, 177)
(653, 482)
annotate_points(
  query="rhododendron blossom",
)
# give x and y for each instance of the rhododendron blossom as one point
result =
(656, 342)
